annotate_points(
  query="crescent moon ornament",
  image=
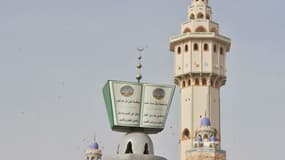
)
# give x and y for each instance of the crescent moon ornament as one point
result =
(140, 49)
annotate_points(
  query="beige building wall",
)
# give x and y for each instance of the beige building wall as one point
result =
(199, 71)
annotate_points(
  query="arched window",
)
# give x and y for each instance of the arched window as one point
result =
(187, 30)
(213, 30)
(200, 16)
(221, 51)
(197, 81)
(207, 16)
(204, 82)
(205, 136)
(192, 16)
(206, 47)
(179, 50)
(146, 149)
(183, 84)
(215, 48)
(129, 149)
(196, 47)
(186, 48)
(200, 29)
(92, 158)
(189, 82)
(186, 134)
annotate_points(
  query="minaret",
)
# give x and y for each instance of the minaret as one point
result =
(93, 152)
(199, 71)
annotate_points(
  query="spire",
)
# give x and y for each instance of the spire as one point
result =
(199, 10)
(199, 2)
(205, 122)
(93, 152)
(139, 65)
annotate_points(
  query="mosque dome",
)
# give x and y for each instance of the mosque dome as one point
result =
(205, 122)
(94, 146)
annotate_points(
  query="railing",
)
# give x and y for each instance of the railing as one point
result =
(212, 34)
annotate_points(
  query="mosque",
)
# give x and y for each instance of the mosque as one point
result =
(199, 53)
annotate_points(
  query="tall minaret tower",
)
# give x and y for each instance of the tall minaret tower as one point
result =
(199, 71)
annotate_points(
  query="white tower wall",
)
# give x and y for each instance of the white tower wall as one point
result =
(199, 71)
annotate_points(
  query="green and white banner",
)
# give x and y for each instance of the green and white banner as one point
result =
(137, 105)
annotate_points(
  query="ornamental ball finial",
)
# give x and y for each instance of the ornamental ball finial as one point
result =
(139, 76)
(139, 65)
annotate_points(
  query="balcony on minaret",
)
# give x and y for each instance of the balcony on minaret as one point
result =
(199, 143)
(206, 135)
(200, 27)
(200, 48)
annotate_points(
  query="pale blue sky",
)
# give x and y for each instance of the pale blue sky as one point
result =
(56, 55)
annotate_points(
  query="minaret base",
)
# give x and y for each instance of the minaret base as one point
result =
(204, 153)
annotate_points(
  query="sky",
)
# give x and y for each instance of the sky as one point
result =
(56, 55)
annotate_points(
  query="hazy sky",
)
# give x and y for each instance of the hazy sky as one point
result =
(56, 55)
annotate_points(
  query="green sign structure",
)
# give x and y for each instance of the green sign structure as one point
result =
(137, 106)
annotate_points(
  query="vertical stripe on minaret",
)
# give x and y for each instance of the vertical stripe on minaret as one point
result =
(199, 71)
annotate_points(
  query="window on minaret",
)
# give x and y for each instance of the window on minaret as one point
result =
(221, 51)
(186, 48)
(200, 16)
(197, 81)
(179, 50)
(192, 16)
(206, 47)
(187, 30)
(183, 84)
(200, 29)
(204, 82)
(207, 16)
(189, 82)
(213, 30)
(196, 47)
(186, 134)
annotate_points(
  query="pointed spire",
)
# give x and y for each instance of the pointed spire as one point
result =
(199, 2)
(93, 152)
(94, 138)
